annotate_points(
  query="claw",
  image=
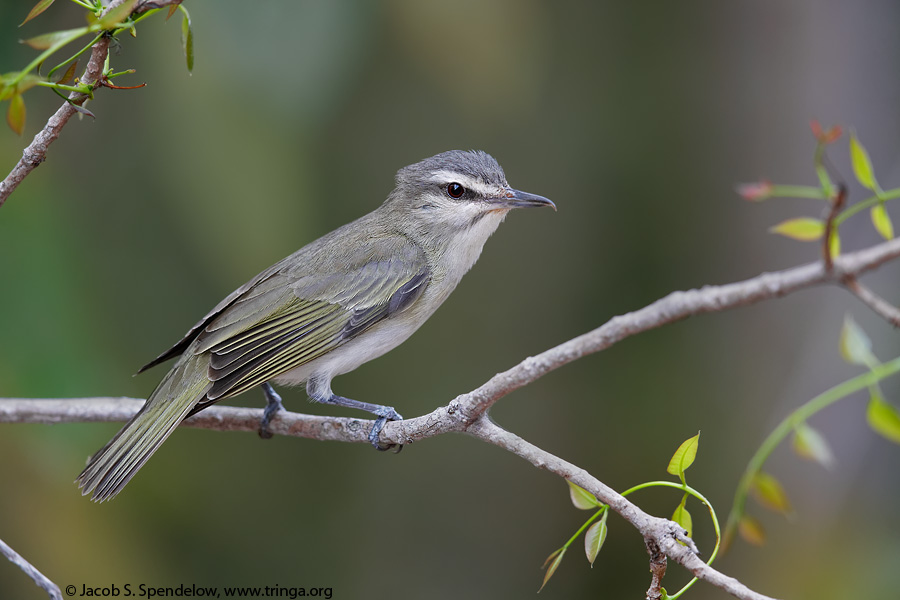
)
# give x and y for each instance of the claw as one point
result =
(386, 414)
(273, 405)
(320, 391)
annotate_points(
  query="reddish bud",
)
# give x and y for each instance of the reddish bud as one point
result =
(825, 137)
(755, 192)
(816, 129)
(832, 134)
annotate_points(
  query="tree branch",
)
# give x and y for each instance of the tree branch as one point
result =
(658, 563)
(879, 305)
(36, 152)
(662, 533)
(658, 533)
(467, 412)
(15, 558)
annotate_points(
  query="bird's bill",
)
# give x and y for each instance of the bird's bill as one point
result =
(519, 199)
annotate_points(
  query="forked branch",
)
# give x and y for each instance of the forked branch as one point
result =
(467, 412)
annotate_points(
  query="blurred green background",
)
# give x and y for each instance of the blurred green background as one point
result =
(637, 119)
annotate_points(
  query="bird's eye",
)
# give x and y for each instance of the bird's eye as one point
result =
(455, 190)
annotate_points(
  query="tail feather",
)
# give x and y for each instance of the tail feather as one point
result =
(118, 461)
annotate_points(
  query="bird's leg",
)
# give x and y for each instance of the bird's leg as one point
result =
(320, 391)
(273, 405)
(384, 414)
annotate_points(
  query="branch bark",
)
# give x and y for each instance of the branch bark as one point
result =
(39, 578)
(879, 305)
(36, 152)
(467, 412)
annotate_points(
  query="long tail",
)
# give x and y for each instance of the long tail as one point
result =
(116, 463)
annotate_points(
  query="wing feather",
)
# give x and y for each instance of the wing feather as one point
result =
(306, 317)
(301, 309)
(305, 334)
(259, 336)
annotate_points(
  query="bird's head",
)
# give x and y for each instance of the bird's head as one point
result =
(456, 190)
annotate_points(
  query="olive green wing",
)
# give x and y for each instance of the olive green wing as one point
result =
(289, 319)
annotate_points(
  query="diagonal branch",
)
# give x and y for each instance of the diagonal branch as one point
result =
(39, 578)
(467, 412)
(467, 408)
(879, 305)
(36, 152)
(658, 533)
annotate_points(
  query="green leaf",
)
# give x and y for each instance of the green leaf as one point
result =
(804, 229)
(582, 498)
(810, 444)
(752, 530)
(38, 9)
(187, 39)
(28, 82)
(883, 417)
(48, 40)
(15, 114)
(81, 110)
(683, 517)
(684, 456)
(768, 492)
(882, 221)
(551, 557)
(594, 538)
(69, 74)
(862, 166)
(24, 84)
(855, 345)
(116, 16)
(556, 559)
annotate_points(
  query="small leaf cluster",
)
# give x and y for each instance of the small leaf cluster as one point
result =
(856, 348)
(810, 229)
(681, 460)
(594, 536)
(595, 528)
(122, 18)
(809, 443)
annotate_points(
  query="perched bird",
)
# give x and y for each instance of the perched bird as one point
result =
(341, 301)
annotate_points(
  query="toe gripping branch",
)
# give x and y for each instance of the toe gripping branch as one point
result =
(383, 413)
(273, 405)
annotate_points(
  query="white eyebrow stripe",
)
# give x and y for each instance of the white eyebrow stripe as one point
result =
(445, 176)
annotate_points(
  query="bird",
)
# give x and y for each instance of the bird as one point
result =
(340, 301)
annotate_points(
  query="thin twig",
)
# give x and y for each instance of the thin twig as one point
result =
(36, 152)
(836, 205)
(879, 305)
(39, 578)
(665, 534)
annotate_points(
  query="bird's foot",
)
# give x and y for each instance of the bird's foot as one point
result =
(384, 414)
(320, 391)
(273, 405)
